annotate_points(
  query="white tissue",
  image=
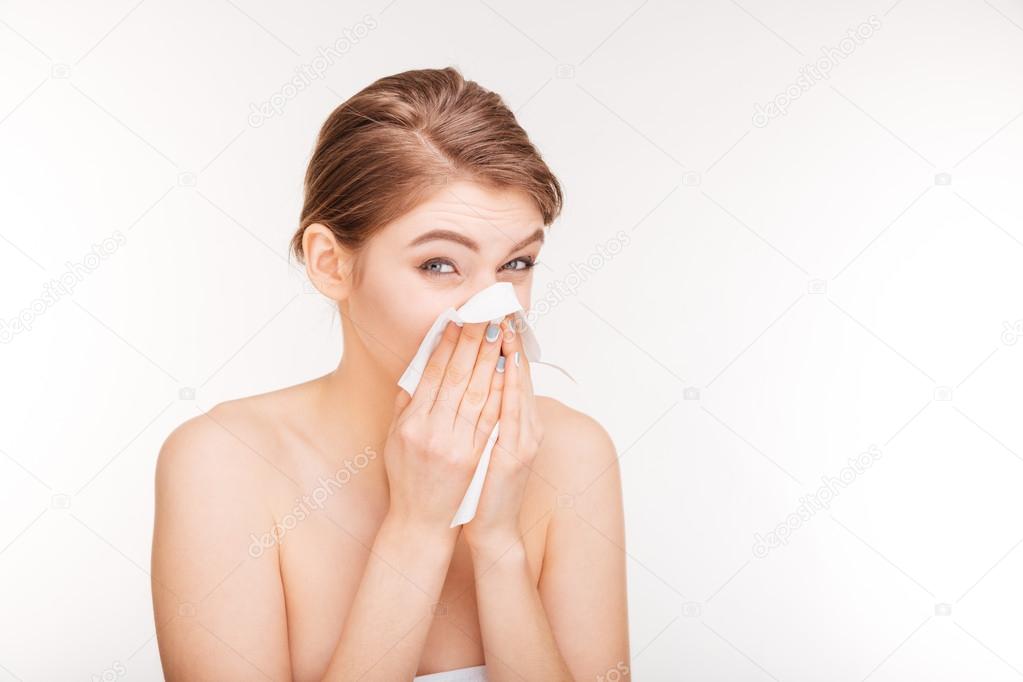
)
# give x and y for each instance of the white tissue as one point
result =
(489, 305)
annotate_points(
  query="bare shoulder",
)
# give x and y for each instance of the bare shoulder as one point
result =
(559, 418)
(235, 439)
(212, 485)
(583, 579)
(576, 449)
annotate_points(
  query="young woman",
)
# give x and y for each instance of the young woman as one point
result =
(303, 534)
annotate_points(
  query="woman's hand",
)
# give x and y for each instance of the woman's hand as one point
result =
(438, 434)
(495, 528)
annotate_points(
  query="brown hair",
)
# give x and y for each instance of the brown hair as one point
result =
(398, 140)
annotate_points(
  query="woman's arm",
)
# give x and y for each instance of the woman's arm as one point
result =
(517, 639)
(577, 616)
(583, 580)
(220, 610)
(211, 490)
(390, 617)
(431, 451)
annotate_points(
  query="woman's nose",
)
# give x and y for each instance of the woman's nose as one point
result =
(481, 283)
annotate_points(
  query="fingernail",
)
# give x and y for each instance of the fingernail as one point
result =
(516, 358)
(493, 331)
(500, 364)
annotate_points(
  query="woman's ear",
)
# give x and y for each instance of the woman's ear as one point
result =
(328, 264)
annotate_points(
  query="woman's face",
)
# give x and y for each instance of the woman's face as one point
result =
(457, 243)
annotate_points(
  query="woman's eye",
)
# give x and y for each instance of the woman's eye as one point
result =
(443, 267)
(435, 267)
(526, 261)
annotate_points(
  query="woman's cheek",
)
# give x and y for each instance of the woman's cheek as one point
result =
(415, 317)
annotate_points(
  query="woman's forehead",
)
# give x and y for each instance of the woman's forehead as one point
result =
(480, 213)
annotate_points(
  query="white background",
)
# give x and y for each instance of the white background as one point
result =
(811, 281)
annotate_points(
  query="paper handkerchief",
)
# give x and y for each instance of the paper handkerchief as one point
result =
(489, 305)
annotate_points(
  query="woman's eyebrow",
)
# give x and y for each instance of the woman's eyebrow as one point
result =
(451, 235)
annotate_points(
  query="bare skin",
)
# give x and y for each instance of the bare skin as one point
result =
(295, 540)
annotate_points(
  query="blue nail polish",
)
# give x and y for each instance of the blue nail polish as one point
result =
(500, 364)
(493, 331)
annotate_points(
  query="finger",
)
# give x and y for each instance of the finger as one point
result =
(429, 383)
(526, 377)
(491, 410)
(511, 405)
(478, 389)
(531, 429)
(458, 372)
(401, 402)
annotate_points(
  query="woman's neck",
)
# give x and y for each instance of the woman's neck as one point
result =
(358, 392)
(358, 396)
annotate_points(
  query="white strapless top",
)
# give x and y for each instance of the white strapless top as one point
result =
(477, 673)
